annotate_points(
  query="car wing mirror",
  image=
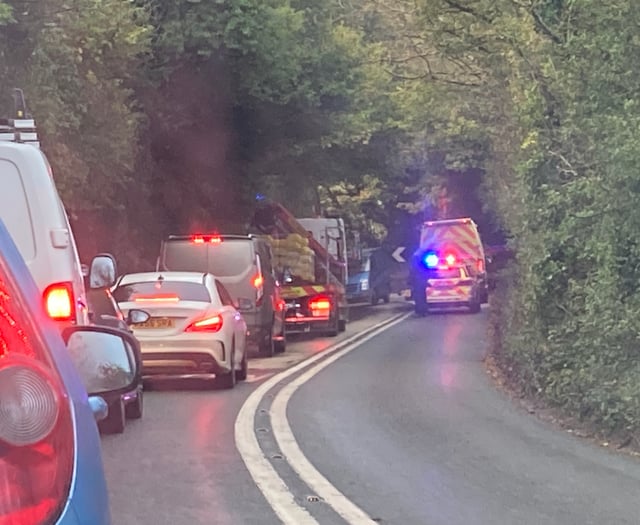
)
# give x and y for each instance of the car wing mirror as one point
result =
(102, 272)
(136, 316)
(104, 357)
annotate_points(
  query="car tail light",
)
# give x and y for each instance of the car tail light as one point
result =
(36, 430)
(450, 259)
(59, 302)
(480, 266)
(258, 284)
(209, 324)
(320, 306)
(202, 239)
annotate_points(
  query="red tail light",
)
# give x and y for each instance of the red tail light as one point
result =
(209, 324)
(59, 302)
(202, 239)
(480, 265)
(36, 430)
(320, 304)
(450, 259)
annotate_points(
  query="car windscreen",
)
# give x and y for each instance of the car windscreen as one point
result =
(226, 259)
(150, 290)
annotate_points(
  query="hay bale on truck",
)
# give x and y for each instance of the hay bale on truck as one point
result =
(312, 279)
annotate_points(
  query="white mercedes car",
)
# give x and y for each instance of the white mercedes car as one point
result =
(195, 328)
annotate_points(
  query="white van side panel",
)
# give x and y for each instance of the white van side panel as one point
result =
(14, 209)
(54, 261)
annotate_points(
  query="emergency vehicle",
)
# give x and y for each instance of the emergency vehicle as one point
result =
(449, 267)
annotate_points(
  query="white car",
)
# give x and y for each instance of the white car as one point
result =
(195, 328)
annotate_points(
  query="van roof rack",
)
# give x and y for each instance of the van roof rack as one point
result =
(21, 127)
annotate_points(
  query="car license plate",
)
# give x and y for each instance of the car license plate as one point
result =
(156, 322)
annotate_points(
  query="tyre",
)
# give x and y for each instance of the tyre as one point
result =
(134, 410)
(228, 380)
(386, 299)
(280, 346)
(267, 347)
(241, 374)
(115, 421)
(420, 301)
(342, 325)
(474, 306)
(335, 328)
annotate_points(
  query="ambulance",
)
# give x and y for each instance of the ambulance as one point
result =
(449, 267)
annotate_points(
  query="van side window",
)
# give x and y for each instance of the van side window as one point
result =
(224, 294)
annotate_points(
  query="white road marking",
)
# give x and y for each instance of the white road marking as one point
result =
(264, 475)
(290, 449)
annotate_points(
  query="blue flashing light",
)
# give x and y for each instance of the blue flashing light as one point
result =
(260, 197)
(431, 260)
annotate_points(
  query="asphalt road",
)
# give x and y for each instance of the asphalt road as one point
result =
(407, 426)
(410, 429)
(178, 465)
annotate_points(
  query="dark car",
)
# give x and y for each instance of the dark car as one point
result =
(104, 311)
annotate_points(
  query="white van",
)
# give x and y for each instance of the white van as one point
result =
(35, 217)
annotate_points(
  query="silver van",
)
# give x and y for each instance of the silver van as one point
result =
(243, 263)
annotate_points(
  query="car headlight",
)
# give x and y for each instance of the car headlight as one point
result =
(364, 285)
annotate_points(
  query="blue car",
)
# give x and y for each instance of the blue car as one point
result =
(51, 468)
(368, 283)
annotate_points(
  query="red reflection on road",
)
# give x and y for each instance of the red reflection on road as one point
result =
(450, 346)
(206, 424)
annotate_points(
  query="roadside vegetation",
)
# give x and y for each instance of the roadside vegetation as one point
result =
(164, 116)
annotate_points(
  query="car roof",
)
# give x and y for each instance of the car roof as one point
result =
(187, 277)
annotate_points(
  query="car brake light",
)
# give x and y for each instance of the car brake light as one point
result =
(202, 239)
(480, 265)
(209, 324)
(450, 259)
(36, 430)
(156, 298)
(59, 303)
(320, 304)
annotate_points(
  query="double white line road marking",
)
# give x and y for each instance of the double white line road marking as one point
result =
(263, 473)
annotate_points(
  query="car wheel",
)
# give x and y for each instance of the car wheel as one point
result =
(373, 299)
(335, 328)
(267, 348)
(241, 374)
(280, 346)
(386, 299)
(342, 325)
(228, 380)
(115, 421)
(474, 305)
(134, 410)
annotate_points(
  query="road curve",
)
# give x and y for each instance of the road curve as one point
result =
(410, 429)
